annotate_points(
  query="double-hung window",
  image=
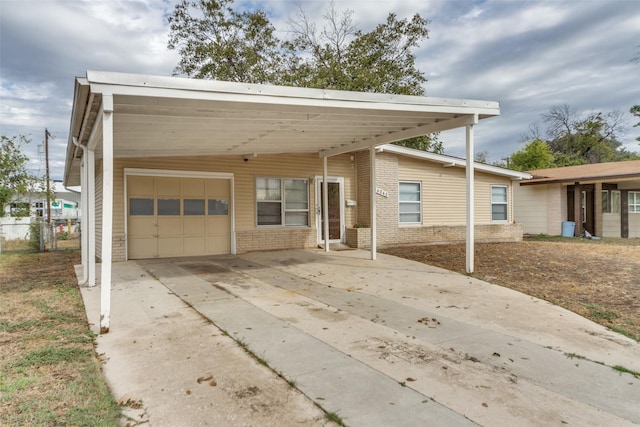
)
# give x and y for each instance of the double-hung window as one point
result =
(410, 202)
(282, 202)
(634, 201)
(615, 201)
(499, 203)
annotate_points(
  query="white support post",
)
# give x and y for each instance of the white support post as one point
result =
(84, 236)
(91, 214)
(470, 235)
(372, 168)
(107, 211)
(325, 204)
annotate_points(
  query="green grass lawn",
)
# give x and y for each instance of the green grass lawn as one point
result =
(49, 372)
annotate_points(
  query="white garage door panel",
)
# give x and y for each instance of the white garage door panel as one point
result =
(185, 233)
(194, 246)
(143, 247)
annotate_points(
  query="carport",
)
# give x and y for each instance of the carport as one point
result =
(135, 116)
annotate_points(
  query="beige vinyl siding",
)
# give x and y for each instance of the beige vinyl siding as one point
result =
(634, 225)
(556, 208)
(611, 225)
(245, 173)
(530, 207)
(444, 192)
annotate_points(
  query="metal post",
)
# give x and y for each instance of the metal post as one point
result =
(107, 212)
(46, 154)
(325, 204)
(470, 235)
(372, 168)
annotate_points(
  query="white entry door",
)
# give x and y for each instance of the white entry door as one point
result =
(335, 192)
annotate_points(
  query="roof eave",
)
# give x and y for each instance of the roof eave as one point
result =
(80, 96)
(451, 161)
(540, 181)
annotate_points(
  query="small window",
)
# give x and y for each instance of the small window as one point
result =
(606, 207)
(634, 201)
(193, 206)
(140, 207)
(615, 201)
(499, 203)
(218, 207)
(168, 206)
(410, 202)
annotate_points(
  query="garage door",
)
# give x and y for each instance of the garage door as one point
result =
(172, 217)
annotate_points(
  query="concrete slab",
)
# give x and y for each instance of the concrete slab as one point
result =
(340, 384)
(172, 367)
(386, 342)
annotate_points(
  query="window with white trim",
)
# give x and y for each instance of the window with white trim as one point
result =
(499, 203)
(410, 202)
(634, 201)
(282, 202)
(615, 201)
(606, 207)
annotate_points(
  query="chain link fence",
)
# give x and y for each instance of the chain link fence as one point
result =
(30, 234)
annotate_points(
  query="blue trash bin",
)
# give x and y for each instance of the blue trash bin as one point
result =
(568, 228)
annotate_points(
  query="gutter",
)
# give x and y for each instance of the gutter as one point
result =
(85, 276)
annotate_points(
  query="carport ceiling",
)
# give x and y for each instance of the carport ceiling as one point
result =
(169, 116)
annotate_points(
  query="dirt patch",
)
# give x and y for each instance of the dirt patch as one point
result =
(597, 279)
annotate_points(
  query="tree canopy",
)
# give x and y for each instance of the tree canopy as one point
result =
(536, 154)
(573, 139)
(216, 41)
(635, 110)
(15, 179)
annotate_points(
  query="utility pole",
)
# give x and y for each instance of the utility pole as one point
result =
(46, 154)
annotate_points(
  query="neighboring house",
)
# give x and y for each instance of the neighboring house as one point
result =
(27, 208)
(64, 204)
(177, 167)
(602, 198)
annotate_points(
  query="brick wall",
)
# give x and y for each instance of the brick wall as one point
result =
(387, 204)
(490, 233)
(119, 243)
(275, 238)
(363, 174)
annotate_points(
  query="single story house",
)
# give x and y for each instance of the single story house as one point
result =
(602, 198)
(178, 167)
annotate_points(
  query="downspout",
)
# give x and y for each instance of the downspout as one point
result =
(85, 272)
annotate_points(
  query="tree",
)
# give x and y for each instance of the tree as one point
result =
(217, 42)
(535, 155)
(574, 140)
(15, 179)
(481, 157)
(635, 110)
(342, 57)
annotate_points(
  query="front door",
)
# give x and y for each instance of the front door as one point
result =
(335, 195)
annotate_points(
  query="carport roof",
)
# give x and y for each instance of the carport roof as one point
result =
(170, 116)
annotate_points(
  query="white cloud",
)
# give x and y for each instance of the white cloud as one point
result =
(527, 55)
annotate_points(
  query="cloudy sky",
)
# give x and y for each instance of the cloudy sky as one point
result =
(528, 55)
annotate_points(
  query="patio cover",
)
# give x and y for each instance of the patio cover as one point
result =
(118, 115)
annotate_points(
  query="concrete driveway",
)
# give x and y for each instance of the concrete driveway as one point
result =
(385, 342)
